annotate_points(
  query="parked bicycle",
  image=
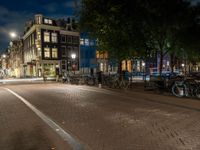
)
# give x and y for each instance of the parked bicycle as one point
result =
(186, 88)
(90, 80)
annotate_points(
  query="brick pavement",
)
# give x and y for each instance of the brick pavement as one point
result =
(107, 120)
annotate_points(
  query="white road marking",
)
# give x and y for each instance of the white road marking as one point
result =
(64, 135)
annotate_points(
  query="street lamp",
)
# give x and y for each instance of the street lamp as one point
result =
(73, 56)
(143, 68)
(13, 34)
(4, 55)
(183, 67)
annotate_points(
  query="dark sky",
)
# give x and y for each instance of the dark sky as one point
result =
(14, 14)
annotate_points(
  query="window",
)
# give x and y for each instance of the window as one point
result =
(54, 37)
(54, 53)
(69, 39)
(46, 36)
(46, 52)
(63, 38)
(39, 51)
(81, 41)
(91, 42)
(87, 42)
(75, 39)
(69, 50)
(38, 35)
(63, 50)
(75, 49)
(48, 21)
(63, 65)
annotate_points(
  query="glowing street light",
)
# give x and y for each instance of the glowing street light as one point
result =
(73, 55)
(4, 56)
(143, 64)
(13, 34)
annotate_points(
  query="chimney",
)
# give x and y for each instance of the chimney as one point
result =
(39, 19)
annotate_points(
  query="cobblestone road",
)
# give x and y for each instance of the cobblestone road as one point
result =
(101, 119)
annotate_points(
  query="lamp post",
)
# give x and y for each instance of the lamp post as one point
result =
(183, 66)
(143, 68)
(73, 56)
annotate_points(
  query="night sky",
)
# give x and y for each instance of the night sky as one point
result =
(14, 14)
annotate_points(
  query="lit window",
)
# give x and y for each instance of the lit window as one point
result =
(81, 41)
(47, 52)
(33, 39)
(38, 35)
(39, 51)
(46, 37)
(87, 42)
(54, 53)
(101, 66)
(54, 38)
(45, 20)
(48, 21)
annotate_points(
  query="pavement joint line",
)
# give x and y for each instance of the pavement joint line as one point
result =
(60, 131)
(145, 99)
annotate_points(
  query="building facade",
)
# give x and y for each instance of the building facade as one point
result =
(48, 47)
(88, 61)
(15, 59)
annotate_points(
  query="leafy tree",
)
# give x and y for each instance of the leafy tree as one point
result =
(121, 27)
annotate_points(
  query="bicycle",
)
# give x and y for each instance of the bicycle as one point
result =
(186, 88)
(90, 80)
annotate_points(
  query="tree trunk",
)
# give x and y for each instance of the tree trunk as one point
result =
(120, 69)
(172, 62)
(161, 62)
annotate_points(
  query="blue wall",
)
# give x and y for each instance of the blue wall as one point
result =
(87, 51)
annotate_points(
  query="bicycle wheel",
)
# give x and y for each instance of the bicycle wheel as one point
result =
(178, 90)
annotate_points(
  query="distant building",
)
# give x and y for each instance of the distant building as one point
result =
(49, 45)
(3, 65)
(88, 62)
(15, 59)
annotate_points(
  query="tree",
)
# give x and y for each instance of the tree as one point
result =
(106, 22)
(121, 27)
